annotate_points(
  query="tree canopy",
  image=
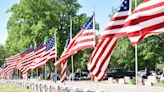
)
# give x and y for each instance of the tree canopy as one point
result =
(2, 54)
(33, 21)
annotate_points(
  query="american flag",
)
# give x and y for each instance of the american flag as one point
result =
(83, 40)
(116, 23)
(7, 71)
(100, 57)
(13, 59)
(46, 53)
(27, 58)
(11, 63)
(2, 75)
(64, 64)
(146, 19)
(51, 49)
(39, 51)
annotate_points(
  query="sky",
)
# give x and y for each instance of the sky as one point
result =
(102, 10)
(4, 6)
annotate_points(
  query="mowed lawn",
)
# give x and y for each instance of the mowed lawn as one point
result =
(11, 88)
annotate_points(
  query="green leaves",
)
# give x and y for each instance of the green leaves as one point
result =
(150, 53)
(33, 21)
(123, 55)
(2, 54)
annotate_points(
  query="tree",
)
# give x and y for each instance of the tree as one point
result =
(2, 54)
(123, 55)
(32, 21)
(151, 52)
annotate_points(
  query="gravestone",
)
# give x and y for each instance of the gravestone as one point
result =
(121, 81)
(110, 80)
(127, 79)
(152, 79)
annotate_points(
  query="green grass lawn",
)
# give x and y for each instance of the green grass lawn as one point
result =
(159, 85)
(11, 88)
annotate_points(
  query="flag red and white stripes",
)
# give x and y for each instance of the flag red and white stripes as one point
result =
(27, 58)
(45, 57)
(113, 28)
(63, 71)
(38, 54)
(64, 64)
(147, 18)
(11, 63)
(83, 40)
(13, 59)
(26, 61)
(101, 55)
(44, 54)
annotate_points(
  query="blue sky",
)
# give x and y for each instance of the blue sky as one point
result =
(102, 9)
(4, 6)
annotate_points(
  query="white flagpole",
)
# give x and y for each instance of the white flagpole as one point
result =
(37, 72)
(94, 27)
(45, 63)
(136, 60)
(136, 67)
(32, 72)
(55, 56)
(35, 45)
(70, 40)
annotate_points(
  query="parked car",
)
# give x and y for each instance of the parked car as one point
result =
(162, 78)
(142, 73)
(81, 76)
(119, 73)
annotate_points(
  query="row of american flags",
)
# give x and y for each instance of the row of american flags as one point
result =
(29, 59)
(146, 19)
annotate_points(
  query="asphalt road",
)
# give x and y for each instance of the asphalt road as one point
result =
(108, 87)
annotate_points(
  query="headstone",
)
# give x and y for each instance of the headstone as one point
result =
(96, 79)
(48, 88)
(152, 79)
(86, 90)
(35, 86)
(110, 80)
(121, 81)
(40, 87)
(99, 91)
(75, 89)
(57, 87)
(65, 88)
(140, 81)
(44, 87)
(127, 79)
